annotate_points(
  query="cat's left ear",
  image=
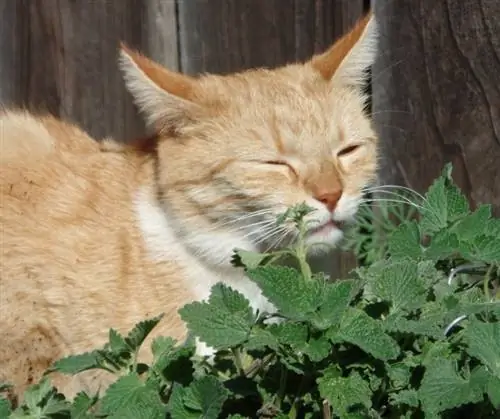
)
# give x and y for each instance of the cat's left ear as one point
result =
(349, 57)
(166, 98)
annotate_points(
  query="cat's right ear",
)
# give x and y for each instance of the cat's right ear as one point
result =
(164, 97)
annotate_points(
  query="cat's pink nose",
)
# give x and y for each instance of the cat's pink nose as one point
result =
(329, 198)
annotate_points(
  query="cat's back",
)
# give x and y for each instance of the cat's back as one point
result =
(25, 137)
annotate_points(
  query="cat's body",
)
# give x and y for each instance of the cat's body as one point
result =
(94, 237)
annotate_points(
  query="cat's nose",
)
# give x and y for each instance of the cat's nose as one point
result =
(329, 198)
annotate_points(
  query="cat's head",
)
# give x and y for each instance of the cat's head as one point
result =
(235, 151)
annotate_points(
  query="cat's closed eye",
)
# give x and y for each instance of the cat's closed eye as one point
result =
(348, 150)
(281, 163)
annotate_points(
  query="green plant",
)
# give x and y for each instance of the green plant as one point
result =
(414, 333)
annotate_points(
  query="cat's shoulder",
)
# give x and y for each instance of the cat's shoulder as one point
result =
(26, 136)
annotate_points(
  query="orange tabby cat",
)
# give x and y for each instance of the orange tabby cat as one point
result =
(98, 237)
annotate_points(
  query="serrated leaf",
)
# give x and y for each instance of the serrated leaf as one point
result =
(472, 225)
(405, 397)
(493, 391)
(333, 303)
(367, 333)
(484, 248)
(172, 362)
(483, 342)
(74, 364)
(404, 242)
(81, 404)
(399, 374)
(5, 408)
(318, 348)
(443, 245)
(224, 321)
(294, 297)
(130, 398)
(140, 332)
(206, 395)
(117, 342)
(443, 388)
(398, 283)
(444, 203)
(344, 393)
(260, 339)
(248, 259)
(36, 393)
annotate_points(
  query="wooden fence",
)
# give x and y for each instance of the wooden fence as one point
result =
(436, 84)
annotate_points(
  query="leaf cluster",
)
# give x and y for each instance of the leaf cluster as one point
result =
(414, 333)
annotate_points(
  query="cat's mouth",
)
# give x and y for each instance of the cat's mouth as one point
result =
(327, 227)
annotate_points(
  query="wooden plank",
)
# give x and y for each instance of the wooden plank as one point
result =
(228, 35)
(222, 36)
(436, 94)
(61, 56)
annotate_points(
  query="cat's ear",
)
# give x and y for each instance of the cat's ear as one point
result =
(164, 97)
(349, 57)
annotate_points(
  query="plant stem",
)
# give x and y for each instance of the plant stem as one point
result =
(327, 413)
(237, 360)
(281, 391)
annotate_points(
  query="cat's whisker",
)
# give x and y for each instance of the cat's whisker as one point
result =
(396, 195)
(242, 218)
(389, 186)
(278, 241)
(388, 200)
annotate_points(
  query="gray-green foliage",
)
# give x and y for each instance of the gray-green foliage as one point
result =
(376, 345)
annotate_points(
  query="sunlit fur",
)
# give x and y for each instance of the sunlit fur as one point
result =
(95, 237)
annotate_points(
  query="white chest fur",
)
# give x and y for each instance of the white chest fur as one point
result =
(163, 244)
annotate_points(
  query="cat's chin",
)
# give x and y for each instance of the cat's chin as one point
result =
(324, 238)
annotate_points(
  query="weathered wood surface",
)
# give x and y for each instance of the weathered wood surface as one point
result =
(223, 36)
(60, 56)
(436, 93)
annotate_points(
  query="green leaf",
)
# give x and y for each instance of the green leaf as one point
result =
(398, 283)
(206, 395)
(367, 333)
(399, 374)
(473, 224)
(130, 398)
(318, 348)
(294, 297)
(203, 398)
(74, 364)
(249, 260)
(443, 388)
(172, 362)
(81, 404)
(5, 409)
(405, 397)
(483, 248)
(37, 393)
(344, 393)
(333, 303)
(443, 245)
(140, 332)
(117, 342)
(404, 242)
(224, 321)
(444, 203)
(483, 343)
(260, 339)
(493, 390)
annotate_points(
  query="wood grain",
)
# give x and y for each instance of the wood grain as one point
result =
(436, 93)
(60, 56)
(229, 35)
